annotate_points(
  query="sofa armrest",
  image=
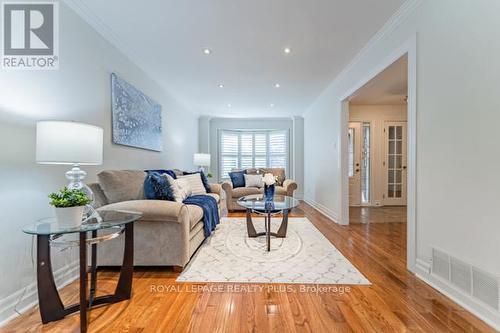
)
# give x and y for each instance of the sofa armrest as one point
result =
(290, 186)
(99, 196)
(227, 186)
(152, 210)
(215, 188)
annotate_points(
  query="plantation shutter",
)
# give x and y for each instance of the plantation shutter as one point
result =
(252, 149)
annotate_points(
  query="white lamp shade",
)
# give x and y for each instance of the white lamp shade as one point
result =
(66, 142)
(201, 160)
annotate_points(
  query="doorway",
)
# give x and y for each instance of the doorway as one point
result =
(392, 186)
(377, 138)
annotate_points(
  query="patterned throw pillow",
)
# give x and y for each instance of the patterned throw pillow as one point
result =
(157, 187)
(195, 183)
(162, 171)
(180, 187)
(204, 179)
(238, 178)
(253, 181)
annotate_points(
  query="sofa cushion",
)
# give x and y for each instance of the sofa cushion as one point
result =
(254, 181)
(152, 210)
(242, 191)
(180, 188)
(238, 178)
(195, 215)
(157, 187)
(162, 171)
(195, 183)
(204, 179)
(122, 185)
(277, 172)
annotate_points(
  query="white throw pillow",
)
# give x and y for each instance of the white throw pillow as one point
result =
(195, 183)
(253, 180)
(180, 188)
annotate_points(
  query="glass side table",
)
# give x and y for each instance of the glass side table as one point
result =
(50, 233)
(257, 204)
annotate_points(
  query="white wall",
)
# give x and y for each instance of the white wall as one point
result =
(458, 82)
(80, 91)
(377, 115)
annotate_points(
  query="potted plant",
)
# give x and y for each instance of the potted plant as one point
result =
(69, 206)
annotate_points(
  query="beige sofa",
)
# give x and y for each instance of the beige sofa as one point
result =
(284, 187)
(169, 232)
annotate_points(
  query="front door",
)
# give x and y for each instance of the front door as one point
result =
(395, 163)
(354, 142)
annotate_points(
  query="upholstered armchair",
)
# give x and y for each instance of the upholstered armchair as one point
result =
(287, 187)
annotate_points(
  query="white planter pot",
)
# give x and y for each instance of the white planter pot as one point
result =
(70, 216)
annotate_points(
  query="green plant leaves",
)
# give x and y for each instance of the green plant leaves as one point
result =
(69, 198)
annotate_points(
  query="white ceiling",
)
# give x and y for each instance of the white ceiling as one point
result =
(389, 87)
(166, 38)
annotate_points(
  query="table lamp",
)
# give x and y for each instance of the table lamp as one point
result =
(202, 161)
(71, 143)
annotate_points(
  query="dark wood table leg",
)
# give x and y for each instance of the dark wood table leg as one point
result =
(49, 302)
(284, 225)
(83, 282)
(124, 287)
(250, 227)
(93, 271)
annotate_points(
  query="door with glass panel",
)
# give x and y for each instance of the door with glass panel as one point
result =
(395, 163)
(354, 169)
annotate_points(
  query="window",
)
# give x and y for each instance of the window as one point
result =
(365, 165)
(350, 151)
(252, 149)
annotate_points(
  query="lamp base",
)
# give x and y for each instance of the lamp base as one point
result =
(75, 177)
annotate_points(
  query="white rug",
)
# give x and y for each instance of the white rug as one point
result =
(304, 256)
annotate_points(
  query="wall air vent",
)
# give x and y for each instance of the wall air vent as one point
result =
(460, 275)
(486, 288)
(440, 264)
(471, 280)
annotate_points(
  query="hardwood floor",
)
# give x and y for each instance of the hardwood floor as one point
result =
(386, 214)
(395, 302)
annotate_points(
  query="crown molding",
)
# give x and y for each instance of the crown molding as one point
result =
(394, 21)
(79, 7)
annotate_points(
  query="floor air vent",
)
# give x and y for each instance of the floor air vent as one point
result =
(467, 278)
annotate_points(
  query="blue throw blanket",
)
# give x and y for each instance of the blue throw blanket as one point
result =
(210, 211)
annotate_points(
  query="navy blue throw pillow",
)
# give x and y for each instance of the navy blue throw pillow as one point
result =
(238, 178)
(171, 173)
(204, 179)
(157, 187)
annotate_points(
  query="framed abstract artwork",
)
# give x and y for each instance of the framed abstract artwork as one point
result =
(136, 117)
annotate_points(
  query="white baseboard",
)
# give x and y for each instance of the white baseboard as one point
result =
(331, 214)
(423, 266)
(63, 276)
(480, 310)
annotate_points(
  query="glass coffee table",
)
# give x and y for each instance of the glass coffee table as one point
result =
(51, 234)
(280, 204)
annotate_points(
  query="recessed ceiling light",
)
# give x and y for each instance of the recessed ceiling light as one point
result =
(221, 85)
(287, 50)
(229, 105)
(277, 85)
(271, 105)
(207, 51)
